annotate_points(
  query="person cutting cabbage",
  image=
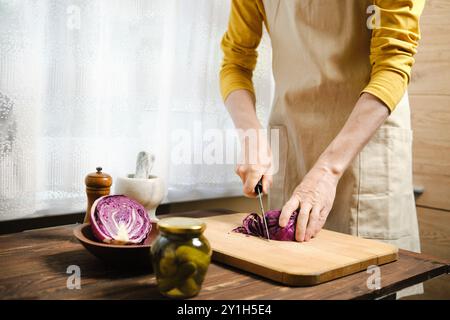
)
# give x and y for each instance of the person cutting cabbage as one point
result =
(340, 106)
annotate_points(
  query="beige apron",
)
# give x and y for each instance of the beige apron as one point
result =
(320, 65)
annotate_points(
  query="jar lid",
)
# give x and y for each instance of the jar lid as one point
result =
(181, 225)
(98, 179)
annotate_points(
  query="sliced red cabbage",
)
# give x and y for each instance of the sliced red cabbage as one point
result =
(254, 225)
(118, 219)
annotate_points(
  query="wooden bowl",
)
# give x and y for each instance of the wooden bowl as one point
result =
(122, 256)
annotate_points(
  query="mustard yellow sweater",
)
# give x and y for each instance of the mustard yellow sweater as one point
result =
(392, 47)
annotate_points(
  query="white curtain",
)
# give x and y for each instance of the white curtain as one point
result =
(88, 83)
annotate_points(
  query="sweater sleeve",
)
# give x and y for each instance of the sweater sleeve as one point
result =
(239, 45)
(393, 46)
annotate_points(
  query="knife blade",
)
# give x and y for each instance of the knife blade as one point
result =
(259, 192)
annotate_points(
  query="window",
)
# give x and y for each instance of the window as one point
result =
(91, 83)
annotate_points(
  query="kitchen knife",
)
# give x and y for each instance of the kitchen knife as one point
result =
(259, 192)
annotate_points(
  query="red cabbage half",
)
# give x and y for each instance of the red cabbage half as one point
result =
(254, 225)
(118, 219)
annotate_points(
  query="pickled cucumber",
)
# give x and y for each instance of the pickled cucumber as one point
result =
(174, 293)
(199, 277)
(186, 253)
(166, 284)
(169, 252)
(189, 287)
(183, 272)
(186, 270)
(167, 266)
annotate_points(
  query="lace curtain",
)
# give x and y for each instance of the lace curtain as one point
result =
(87, 83)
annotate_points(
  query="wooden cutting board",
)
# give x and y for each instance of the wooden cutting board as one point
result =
(329, 256)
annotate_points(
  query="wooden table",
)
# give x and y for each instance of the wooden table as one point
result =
(33, 265)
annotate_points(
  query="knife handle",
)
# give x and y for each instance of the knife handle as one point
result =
(259, 187)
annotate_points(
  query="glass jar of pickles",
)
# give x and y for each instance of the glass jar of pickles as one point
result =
(181, 256)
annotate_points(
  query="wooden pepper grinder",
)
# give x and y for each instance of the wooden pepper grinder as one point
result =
(98, 184)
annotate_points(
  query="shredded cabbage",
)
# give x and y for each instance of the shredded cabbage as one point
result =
(254, 225)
